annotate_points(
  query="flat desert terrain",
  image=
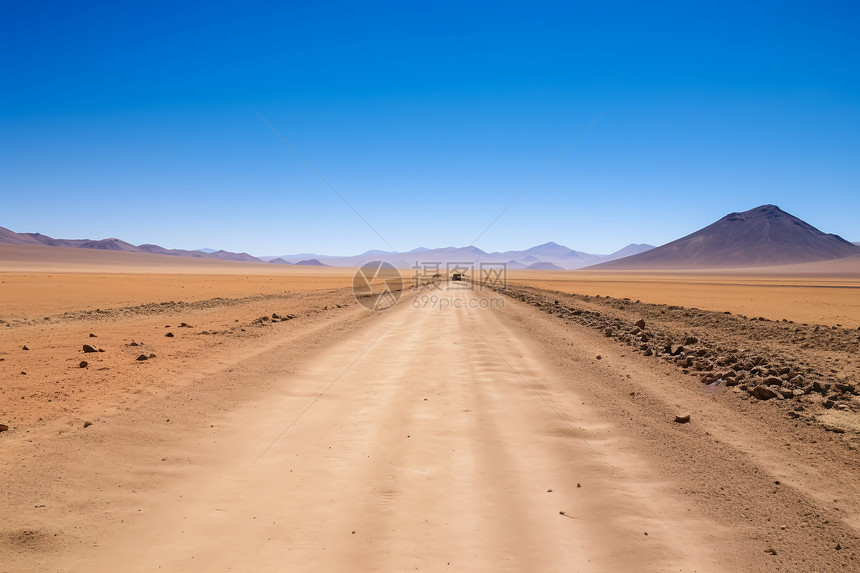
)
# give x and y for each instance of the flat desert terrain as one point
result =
(252, 417)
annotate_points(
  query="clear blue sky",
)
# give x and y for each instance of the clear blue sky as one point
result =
(429, 118)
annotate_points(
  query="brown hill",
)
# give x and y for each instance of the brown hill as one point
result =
(763, 236)
(112, 244)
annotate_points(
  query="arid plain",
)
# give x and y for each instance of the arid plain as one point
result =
(277, 423)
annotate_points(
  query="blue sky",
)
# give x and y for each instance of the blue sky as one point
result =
(141, 122)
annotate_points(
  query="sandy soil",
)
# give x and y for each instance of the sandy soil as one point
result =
(827, 293)
(333, 438)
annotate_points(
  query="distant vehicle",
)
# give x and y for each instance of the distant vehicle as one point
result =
(457, 277)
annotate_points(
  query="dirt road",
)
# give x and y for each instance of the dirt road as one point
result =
(428, 439)
(467, 439)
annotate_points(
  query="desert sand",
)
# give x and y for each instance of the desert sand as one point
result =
(286, 427)
(819, 293)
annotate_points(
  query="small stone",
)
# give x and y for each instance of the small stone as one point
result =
(143, 357)
(87, 424)
(4, 428)
(770, 550)
(763, 393)
(84, 364)
(578, 485)
(89, 349)
(599, 357)
(549, 490)
(92, 335)
(640, 323)
(682, 419)
(838, 547)
(24, 348)
(152, 355)
(133, 343)
(169, 335)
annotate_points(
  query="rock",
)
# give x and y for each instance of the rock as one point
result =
(763, 393)
(275, 316)
(143, 357)
(845, 387)
(84, 364)
(152, 355)
(691, 340)
(89, 349)
(608, 331)
(797, 380)
(640, 323)
(682, 418)
(649, 352)
(184, 325)
(599, 357)
(772, 380)
(24, 348)
(4, 428)
(133, 343)
(786, 392)
(87, 424)
(770, 550)
(169, 335)
(92, 335)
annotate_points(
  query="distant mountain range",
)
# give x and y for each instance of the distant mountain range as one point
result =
(766, 235)
(549, 256)
(11, 237)
(763, 236)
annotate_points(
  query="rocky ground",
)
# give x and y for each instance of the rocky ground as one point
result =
(810, 371)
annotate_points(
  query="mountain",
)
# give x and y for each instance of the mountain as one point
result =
(856, 243)
(763, 236)
(544, 267)
(558, 255)
(280, 261)
(312, 263)
(629, 250)
(108, 245)
(113, 244)
(228, 256)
